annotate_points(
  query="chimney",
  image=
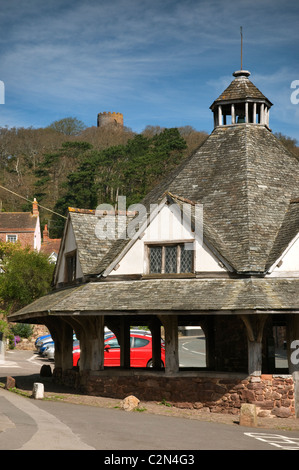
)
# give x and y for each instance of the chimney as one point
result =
(45, 234)
(35, 211)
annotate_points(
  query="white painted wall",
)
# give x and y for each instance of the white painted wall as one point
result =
(69, 246)
(37, 236)
(288, 264)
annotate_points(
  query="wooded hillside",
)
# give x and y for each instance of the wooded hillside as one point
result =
(86, 168)
(67, 164)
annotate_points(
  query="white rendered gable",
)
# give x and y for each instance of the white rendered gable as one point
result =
(68, 245)
(288, 263)
(166, 226)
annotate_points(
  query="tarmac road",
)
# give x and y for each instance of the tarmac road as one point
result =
(28, 424)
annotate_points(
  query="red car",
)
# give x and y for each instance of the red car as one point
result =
(141, 351)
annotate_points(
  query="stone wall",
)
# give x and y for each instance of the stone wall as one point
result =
(273, 395)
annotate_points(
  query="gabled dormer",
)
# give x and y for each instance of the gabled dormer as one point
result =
(169, 243)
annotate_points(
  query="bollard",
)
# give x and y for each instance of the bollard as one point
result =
(248, 415)
(38, 391)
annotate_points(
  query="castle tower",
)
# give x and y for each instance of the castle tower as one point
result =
(109, 118)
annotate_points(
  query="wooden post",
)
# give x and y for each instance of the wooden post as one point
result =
(254, 113)
(62, 334)
(170, 323)
(219, 115)
(233, 114)
(254, 327)
(254, 358)
(246, 113)
(125, 343)
(91, 335)
(155, 327)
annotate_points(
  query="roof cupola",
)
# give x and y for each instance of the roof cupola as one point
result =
(241, 103)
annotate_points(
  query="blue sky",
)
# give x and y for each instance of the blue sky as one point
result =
(159, 62)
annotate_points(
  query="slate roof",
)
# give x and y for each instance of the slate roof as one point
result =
(245, 179)
(17, 222)
(164, 295)
(91, 249)
(247, 182)
(241, 89)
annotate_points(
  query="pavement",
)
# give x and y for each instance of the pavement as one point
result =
(60, 393)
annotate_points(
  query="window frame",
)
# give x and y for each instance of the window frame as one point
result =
(11, 235)
(178, 244)
(71, 275)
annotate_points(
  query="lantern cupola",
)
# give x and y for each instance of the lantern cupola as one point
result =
(241, 103)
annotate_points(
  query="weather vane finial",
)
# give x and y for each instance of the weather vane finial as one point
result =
(241, 32)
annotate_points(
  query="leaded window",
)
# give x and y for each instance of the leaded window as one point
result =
(171, 258)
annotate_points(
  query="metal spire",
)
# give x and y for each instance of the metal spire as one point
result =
(241, 47)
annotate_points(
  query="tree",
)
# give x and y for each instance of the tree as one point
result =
(130, 170)
(68, 126)
(26, 276)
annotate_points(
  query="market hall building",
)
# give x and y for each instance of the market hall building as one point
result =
(216, 247)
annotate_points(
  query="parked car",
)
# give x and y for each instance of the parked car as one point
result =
(140, 354)
(41, 338)
(43, 344)
(49, 352)
(39, 341)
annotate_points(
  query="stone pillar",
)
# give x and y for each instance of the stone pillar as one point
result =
(170, 323)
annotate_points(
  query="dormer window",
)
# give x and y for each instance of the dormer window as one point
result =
(170, 258)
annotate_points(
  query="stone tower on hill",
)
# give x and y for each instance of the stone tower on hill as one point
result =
(105, 119)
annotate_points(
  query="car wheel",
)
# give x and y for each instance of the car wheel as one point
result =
(150, 363)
